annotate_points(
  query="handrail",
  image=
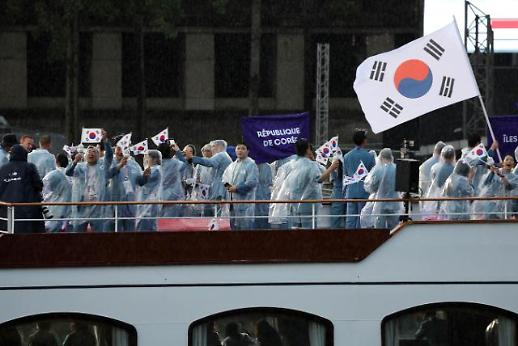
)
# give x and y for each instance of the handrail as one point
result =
(222, 202)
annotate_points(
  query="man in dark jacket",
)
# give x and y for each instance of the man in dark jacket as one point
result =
(20, 182)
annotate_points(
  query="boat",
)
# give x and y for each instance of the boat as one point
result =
(423, 283)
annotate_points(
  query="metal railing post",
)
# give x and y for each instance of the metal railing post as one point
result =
(313, 216)
(116, 218)
(10, 220)
(215, 210)
(505, 210)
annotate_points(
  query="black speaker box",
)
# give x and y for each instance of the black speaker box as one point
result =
(407, 175)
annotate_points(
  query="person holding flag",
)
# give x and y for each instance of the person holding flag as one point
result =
(476, 155)
(218, 162)
(303, 183)
(123, 186)
(356, 190)
(90, 181)
(172, 189)
(150, 183)
(381, 181)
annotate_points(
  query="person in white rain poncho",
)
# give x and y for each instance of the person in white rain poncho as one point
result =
(498, 182)
(123, 188)
(381, 181)
(218, 162)
(263, 193)
(42, 158)
(278, 212)
(439, 172)
(303, 182)
(89, 184)
(240, 180)
(150, 190)
(57, 188)
(172, 189)
(425, 170)
(458, 185)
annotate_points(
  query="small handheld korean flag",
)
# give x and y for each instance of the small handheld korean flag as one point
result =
(361, 172)
(91, 136)
(140, 148)
(476, 154)
(203, 191)
(324, 153)
(125, 142)
(426, 74)
(161, 137)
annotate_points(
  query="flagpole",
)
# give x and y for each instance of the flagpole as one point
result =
(489, 125)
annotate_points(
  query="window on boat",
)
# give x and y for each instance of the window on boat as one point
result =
(450, 325)
(67, 330)
(263, 327)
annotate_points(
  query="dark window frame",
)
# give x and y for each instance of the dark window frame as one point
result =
(132, 331)
(445, 305)
(267, 310)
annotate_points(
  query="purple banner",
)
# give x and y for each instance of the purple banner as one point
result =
(506, 133)
(273, 137)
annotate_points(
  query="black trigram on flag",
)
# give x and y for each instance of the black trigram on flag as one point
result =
(434, 49)
(378, 71)
(446, 86)
(391, 107)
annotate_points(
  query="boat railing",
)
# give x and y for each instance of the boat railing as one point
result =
(218, 210)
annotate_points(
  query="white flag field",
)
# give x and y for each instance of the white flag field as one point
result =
(426, 74)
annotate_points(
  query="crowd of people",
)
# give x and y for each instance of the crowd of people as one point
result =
(106, 172)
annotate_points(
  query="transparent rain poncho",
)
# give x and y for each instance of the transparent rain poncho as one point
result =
(244, 175)
(425, 170)
(301, 183)
(493, 185)
(457, 185)
(57, 188)
(381, 184)
(440, 173)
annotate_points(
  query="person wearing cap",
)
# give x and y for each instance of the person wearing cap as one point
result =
(42, 158)
(20, 183)
(90, 181)
(356, 191)
(7, 143)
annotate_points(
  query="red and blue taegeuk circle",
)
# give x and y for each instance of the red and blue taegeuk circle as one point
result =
(92, 135)
(413, 78)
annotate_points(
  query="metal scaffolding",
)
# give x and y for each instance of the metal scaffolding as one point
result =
(478, 40)
(322, 97)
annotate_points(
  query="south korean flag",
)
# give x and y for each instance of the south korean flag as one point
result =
(91, 136)
(125, 141)
(426, 74)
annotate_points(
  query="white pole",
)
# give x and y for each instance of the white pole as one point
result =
(489, 125)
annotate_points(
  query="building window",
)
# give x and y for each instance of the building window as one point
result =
(67, 329)
(163, 58)
(346, 53)
(46, 73)
(450, 324)
(232, 65)
(261, 326)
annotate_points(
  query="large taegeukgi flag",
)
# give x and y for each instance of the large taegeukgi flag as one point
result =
(426, 74)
